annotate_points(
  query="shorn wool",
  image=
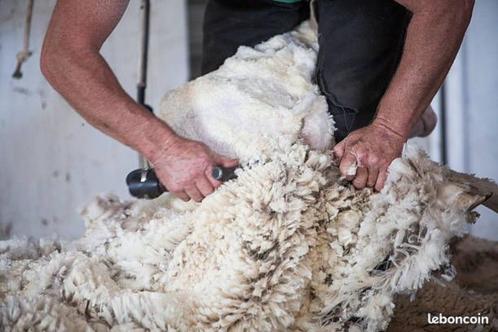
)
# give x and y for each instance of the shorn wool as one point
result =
(287, 246)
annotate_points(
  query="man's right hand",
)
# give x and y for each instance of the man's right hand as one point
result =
(185, 168)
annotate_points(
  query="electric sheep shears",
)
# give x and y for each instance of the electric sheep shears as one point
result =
(143, 182)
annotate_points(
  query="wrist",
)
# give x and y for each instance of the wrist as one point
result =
(401, 132)
(156, 139)
(397, 128)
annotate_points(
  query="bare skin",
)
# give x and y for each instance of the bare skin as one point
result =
(425, 125)
(72, 63)
(432, 41)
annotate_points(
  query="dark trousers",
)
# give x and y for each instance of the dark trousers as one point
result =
(361, 42)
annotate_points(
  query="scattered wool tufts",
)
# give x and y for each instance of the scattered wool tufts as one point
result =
(287, 246)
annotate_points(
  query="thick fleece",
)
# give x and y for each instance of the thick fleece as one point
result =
(287, 246)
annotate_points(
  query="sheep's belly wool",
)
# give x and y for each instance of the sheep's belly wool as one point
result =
(287, 246)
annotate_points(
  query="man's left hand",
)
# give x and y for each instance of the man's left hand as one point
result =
(371, 149)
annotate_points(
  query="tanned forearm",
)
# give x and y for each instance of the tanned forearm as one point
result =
(432, 41)
(75, 68)
(72, 63)
(88, 84)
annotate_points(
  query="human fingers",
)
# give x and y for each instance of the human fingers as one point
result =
(338, 151)
(226, 162)
(181, 195)
(204, 186)
(373, 174)
(361, 177)
(223, 162)
(209, 176)
(348, 166)
(194, 193)
(381, 179)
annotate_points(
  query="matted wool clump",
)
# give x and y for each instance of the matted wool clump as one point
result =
(287, 246)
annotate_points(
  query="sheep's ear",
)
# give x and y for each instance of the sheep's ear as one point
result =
(483, 191)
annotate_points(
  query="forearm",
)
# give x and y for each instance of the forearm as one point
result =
(88, 84)
(432, 41)
(72, 63)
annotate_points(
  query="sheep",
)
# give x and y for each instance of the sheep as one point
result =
(288, 245)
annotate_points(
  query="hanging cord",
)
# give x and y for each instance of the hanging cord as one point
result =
(142, 66)
(144, 52)
(25, 53)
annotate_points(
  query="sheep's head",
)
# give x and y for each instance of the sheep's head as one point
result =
(462, 197)
(444, 191)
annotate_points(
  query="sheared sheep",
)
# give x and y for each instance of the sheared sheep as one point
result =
(288, 245)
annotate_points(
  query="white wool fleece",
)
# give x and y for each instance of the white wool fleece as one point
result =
(287, 246)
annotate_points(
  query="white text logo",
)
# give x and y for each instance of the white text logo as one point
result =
(441, 319)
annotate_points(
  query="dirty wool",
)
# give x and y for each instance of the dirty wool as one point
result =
(287, 246)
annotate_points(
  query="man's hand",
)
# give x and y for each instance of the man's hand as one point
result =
(433, 37)
(185, 167)
(371, 149)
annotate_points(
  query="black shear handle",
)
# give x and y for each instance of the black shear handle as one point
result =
(143, 183)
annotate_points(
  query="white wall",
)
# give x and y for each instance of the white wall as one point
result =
(478, 74)
(52, 162)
